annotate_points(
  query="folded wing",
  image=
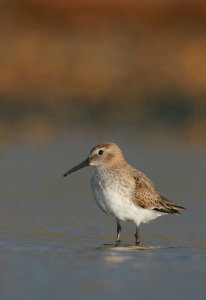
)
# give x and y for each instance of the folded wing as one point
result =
(147, 196)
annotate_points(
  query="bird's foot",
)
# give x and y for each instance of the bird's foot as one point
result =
(117, 243)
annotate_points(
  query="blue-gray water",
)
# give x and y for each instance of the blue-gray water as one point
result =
(51, 231)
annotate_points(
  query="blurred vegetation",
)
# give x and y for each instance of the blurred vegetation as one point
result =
(141, 63)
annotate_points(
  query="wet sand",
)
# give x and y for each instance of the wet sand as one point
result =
(56, 243)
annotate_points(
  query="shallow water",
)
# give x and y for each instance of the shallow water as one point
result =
(52, 234)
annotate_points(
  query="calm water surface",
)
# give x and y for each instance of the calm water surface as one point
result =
(52, 232)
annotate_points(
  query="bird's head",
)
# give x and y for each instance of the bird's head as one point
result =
(101, 155)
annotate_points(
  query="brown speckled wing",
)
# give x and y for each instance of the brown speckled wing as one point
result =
(147, 197)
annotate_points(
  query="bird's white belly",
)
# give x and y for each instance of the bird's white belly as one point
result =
(120, 205)
(113, 203)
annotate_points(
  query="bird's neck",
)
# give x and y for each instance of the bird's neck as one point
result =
(116, 166)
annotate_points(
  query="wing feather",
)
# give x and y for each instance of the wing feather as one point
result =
(148, 197)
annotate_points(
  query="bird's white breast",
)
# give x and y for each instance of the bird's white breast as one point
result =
(115, 199)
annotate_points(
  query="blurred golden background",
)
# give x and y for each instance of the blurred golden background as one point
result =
(139, 64)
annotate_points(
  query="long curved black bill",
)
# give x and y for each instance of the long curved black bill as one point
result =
(83, 164)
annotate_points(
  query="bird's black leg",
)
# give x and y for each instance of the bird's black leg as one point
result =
(118, 232)
(137, 236)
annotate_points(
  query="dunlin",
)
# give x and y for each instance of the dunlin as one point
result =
(122, 191)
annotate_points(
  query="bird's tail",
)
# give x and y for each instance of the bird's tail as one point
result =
(169, 206)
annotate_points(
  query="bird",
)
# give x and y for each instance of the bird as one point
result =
(122, 191)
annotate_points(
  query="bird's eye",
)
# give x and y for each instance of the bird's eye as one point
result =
(100, 152)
